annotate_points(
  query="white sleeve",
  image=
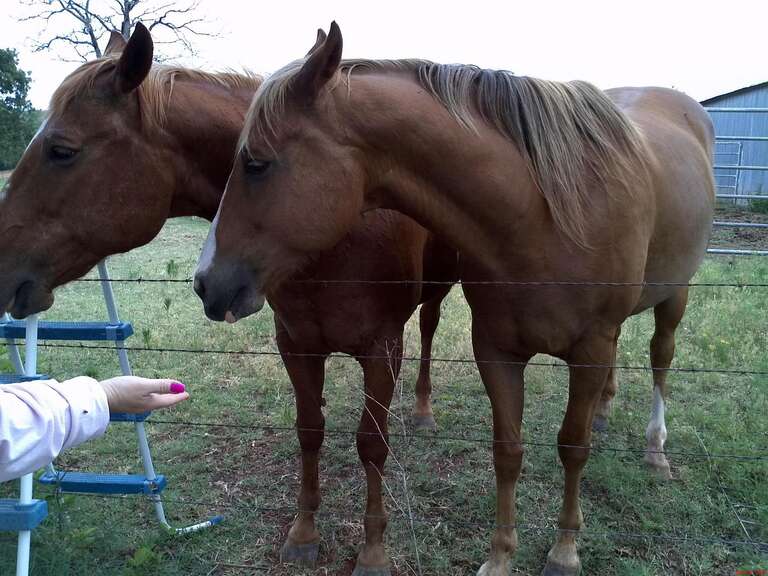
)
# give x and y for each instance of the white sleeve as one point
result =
(40, 419)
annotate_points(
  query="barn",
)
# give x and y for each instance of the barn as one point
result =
(741, 127)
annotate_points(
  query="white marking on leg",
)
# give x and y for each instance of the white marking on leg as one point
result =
(656, 432)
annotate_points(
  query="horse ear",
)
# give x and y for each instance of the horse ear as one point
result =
(135, 61)
(321, 36)
(320, 66)
(116, 43)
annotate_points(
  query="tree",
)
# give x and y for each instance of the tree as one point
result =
(18, 121)
(78, 26)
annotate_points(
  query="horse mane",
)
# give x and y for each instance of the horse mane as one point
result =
(154, 92)
(570, 133)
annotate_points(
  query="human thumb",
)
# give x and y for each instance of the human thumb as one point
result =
(162, 386)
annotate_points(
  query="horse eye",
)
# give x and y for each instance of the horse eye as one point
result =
(256, 167)
(62, 154)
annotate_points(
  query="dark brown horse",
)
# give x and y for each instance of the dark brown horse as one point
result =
(127, 146)
(532, 181)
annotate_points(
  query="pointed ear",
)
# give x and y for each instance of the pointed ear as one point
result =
(135, 61)
(116, 43)
(319, 67)
(321, 36)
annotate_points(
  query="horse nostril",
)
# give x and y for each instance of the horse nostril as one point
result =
(199, 286)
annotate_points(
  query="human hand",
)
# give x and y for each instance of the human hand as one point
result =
(134, 394)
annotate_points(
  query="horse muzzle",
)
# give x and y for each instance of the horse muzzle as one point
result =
(24, 298)
(228, 293)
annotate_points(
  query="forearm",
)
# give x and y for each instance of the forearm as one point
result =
(40, 419)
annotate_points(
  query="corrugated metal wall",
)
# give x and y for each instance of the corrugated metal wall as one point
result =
(744, 153)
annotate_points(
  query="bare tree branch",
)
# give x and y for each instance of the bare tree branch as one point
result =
(77, 26)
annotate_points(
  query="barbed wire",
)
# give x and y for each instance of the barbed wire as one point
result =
(702, 456)
(347, 515)
(759, 456)
(706, 456)
(627, 367)
(521, 283)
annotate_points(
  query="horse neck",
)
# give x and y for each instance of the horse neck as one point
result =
(203, 125)
(474, 190)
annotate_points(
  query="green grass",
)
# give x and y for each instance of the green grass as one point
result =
(250, 475)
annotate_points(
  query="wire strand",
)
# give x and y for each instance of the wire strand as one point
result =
(628, 367)
(331, 281)
(759, 456)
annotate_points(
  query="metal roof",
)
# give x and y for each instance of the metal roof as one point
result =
(713, 99)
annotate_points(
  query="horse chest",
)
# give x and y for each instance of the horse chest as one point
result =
(339, 318)
(522, 329)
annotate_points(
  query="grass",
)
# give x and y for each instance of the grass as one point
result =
(250, 474)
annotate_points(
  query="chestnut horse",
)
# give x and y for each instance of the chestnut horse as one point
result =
(127, 146)
(531, 180)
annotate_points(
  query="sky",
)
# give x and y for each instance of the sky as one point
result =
(702, 48)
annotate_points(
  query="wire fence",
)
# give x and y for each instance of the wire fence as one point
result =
(429, 518)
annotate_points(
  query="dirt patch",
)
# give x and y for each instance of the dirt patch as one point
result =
(743, 238)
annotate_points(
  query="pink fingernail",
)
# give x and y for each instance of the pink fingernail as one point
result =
(177, 387)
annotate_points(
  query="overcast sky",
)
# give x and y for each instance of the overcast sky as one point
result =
(701, 48)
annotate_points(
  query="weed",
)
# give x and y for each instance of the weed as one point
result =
(144, 562)
(146, 337)
(172, 268)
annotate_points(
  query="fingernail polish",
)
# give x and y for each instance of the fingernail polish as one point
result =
(177, 387)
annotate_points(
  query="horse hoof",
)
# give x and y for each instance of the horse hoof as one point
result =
(304, 554)
(554, 569)
(658, 464)
(599, 423)
(659, 468)
(491, 568)
(424, 422)
(371, 571)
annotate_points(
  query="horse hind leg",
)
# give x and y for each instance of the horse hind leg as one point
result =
(605, 405)
(667, 315)
(429, 318)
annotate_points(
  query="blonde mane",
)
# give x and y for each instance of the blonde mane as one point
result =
(571, 134)
(154, 92)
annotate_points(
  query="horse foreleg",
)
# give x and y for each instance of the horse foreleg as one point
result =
(307, 374)
(605, 405)
(429, 318)
(585, 387)
(505, 387)
(667, 315)
(372, 447)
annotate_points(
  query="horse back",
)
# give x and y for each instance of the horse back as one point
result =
(651, 105)
(680, 139)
